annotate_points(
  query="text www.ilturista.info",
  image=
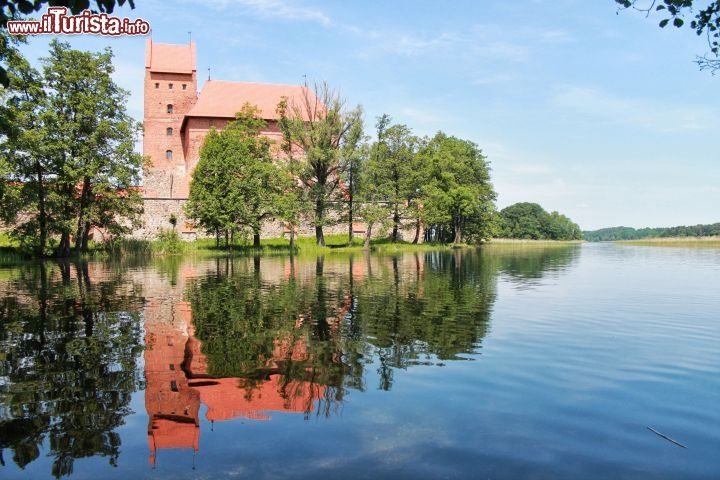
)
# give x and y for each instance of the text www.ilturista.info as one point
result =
(56, 21)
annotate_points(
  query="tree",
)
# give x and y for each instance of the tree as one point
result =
(393, 162)
(530, 221)
(69, 149)
(706, 20)
(317, 125)
(91, 141)
(353, 153)
(458, 200)
(236, 183)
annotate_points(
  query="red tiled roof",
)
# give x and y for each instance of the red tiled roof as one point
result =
(163, 57)
(222, 99)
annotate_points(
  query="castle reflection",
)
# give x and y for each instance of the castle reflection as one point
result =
(178, 382)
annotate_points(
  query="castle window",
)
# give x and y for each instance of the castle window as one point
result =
(168, 154)
(157, 85)
(211, 122)
(169, 86)
(169, 108)
(184, 86)
(169, 132)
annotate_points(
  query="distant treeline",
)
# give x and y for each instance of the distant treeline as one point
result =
(629, 233)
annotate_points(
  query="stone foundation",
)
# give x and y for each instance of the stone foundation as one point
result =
(158, 211)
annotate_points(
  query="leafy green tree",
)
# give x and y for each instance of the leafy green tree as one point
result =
(90, 139)
(69, 150)
(705, 20)
(353, 153)
(236, 183)
(27, 166)
(458, 199)
(392, 162)
(526, 220)
(318, 126)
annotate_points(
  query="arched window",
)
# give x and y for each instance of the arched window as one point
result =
(169, 108)
(168, 154)
(169, 132)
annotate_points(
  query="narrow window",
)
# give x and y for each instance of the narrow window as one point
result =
(184, 86)
(169, 108)
(168, 154)
(169, 131)
(157, 85)
(211, 122)
(169, 86)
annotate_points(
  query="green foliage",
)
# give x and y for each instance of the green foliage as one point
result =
(393, 172)
(169, 243)
(70, 164)
(458, 198)
(236, 185)
(318, 126)
(629, 233)
(530, 221)
(705, 20)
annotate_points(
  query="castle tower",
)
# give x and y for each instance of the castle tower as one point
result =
(170, 93)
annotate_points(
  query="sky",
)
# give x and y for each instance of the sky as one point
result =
(597, 114)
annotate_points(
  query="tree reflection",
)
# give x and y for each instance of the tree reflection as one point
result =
(525, 266)
(68, 364)
(326, 329)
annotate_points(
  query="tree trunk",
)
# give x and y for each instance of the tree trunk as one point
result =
(396, 224)
(80, 232)
(256, 239)
(319, 215)
(368, 234)
(63, 250)
(86, 237)
(458, 233)
(350, 219)
(417, 231)
(42, 214)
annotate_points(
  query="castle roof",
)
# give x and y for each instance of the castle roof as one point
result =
(222, 99)
(168, 58)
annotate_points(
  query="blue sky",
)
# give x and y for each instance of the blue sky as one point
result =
(600, 116)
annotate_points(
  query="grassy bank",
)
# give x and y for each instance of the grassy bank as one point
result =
(170, 244)
(334, 244)
(674, 242)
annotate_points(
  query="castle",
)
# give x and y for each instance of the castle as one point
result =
(176, 120)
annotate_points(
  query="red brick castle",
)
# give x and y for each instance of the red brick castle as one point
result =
(176, 120)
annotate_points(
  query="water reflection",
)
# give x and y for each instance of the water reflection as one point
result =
(526, 267)
(70, 338)
(227, 339)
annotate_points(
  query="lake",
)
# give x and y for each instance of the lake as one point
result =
(589, 361)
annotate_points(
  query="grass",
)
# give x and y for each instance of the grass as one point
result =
(170, 244)
(674, 242)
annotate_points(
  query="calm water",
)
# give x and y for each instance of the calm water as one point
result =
(500, 364)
